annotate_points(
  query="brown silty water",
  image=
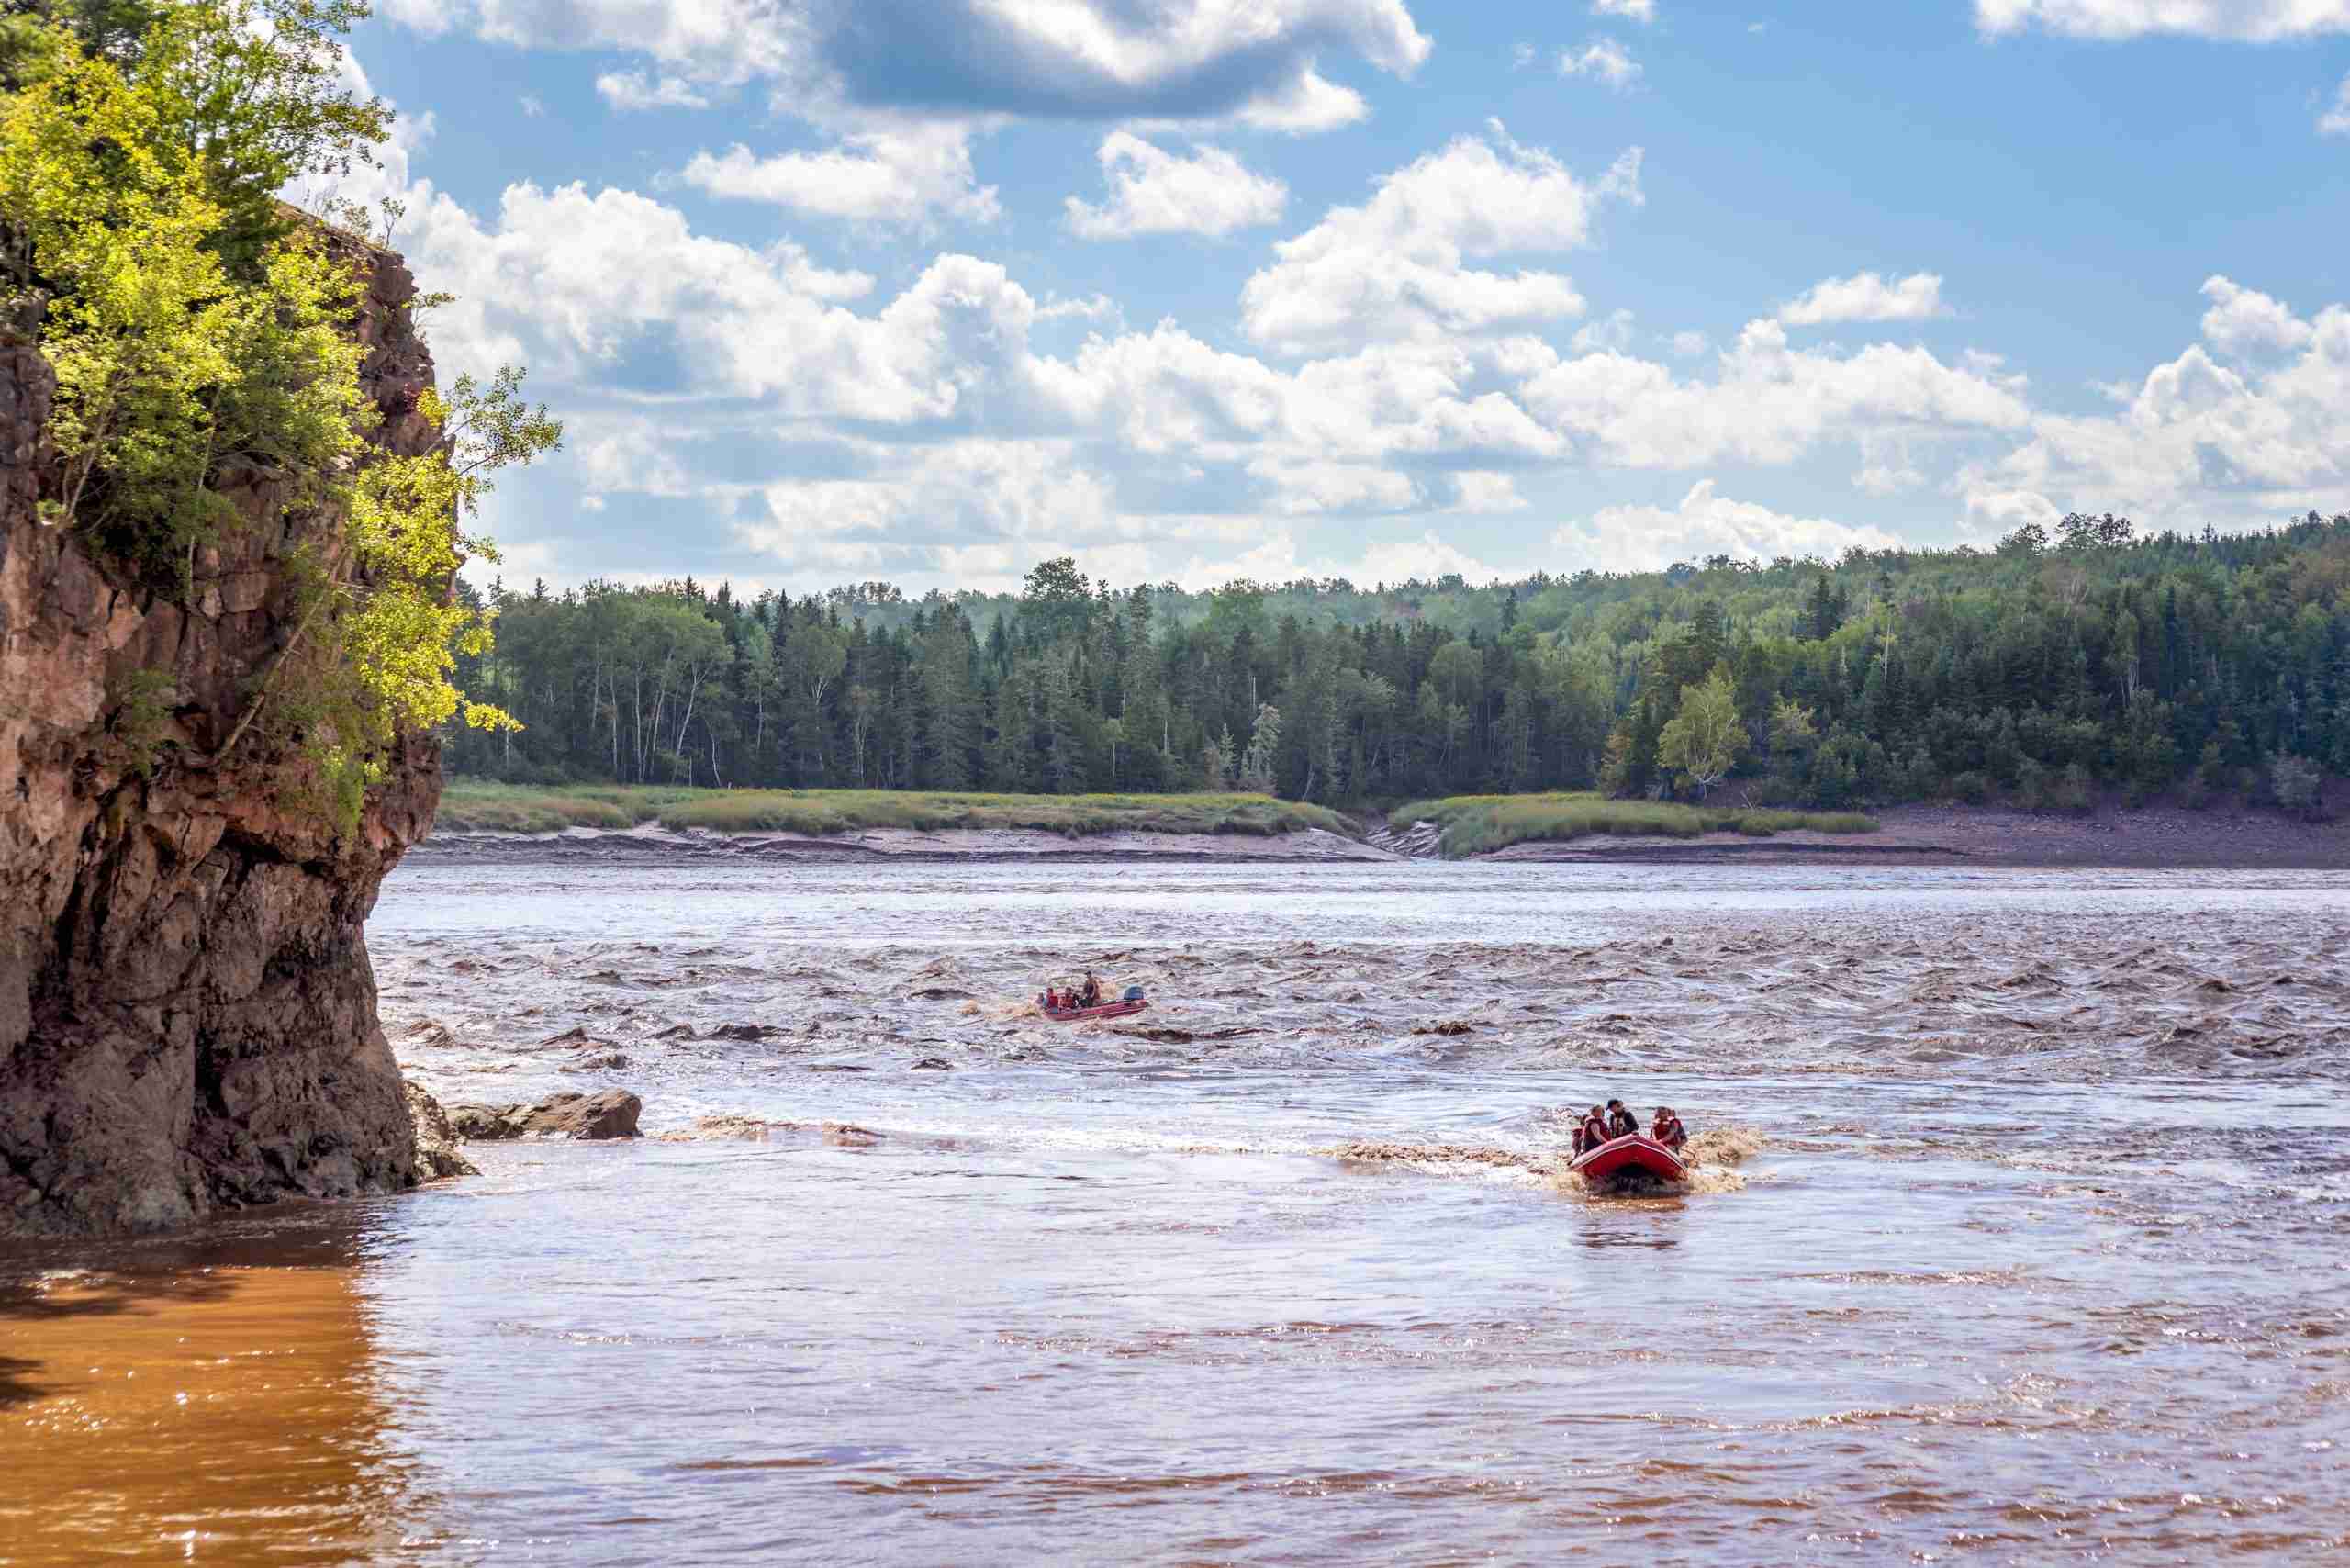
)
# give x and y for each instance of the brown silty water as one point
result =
(2016, 1234)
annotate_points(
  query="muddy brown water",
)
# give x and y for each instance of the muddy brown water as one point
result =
(2042, 1252)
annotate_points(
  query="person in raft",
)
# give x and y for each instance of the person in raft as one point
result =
(1592, 1133)
(1668, 1129)
(1621, 1122)
(1091, 995)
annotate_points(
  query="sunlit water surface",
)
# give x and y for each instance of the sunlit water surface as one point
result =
(2045, 1255)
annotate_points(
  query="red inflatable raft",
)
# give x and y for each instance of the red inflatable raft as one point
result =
(1629, 1156)
(1079, 1015)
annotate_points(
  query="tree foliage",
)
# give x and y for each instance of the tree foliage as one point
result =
(1884, 677)
(198, 330)
(1704, 740)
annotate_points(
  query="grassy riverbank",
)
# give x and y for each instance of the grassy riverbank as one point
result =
(1473, 823)
(479, 805)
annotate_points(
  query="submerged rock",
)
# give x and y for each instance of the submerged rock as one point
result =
(730, 1125)
(608, 1114)
(1167, 1034)
(751, 1129)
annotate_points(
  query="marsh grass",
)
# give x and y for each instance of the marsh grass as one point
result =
(478, 805)
(1472, 824)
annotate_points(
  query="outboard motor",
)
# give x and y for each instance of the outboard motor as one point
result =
(1134, 993)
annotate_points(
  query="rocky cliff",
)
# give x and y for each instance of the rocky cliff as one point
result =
(187, 1016)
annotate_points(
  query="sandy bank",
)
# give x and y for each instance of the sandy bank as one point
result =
(2155, 838)
(651, 841)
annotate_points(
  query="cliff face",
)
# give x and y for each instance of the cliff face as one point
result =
(187, 1016)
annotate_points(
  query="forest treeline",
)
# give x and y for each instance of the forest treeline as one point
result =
(2062, 662)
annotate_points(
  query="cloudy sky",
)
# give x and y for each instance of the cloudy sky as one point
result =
(930, 290)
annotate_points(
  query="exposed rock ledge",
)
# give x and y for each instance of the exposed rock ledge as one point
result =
(610, 1114)
(437, 1154)
(187, 1016)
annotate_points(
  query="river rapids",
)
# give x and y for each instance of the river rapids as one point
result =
(2020, 1233)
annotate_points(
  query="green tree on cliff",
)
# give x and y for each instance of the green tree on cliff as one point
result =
(196, 327)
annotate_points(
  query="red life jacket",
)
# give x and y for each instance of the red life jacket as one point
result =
(1594, 1133)
(1671, 1133)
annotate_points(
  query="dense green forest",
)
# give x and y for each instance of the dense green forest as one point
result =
(2057, 664)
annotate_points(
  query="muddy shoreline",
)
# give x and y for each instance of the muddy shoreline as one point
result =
(2156, 837)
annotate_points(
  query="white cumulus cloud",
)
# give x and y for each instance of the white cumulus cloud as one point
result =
(2335, 121)
(1395, 266)
(1886, 466)
(711, 41)
(1153, 191)
(1768, 402)
(1424, 559)
(2255, 20)
(1991, 513)
(1867, 296)
(1643, 11)
(1612, 331)
(1645, 538)
(1604, 60)
(2201, 438)
(971, 490)
(1482, 490)
(2244, 320)
(631, 90)
(581, 285)
(900, 174)
(1303, 486)
(1190, 61)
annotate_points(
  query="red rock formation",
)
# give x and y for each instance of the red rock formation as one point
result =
(187, 1016)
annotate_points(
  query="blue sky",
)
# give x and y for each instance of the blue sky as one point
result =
(929, 290)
